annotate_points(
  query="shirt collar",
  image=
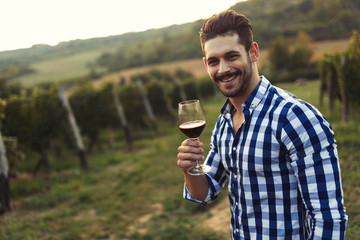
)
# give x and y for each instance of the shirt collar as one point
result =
(253, 100)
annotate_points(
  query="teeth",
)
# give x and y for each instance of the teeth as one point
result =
(228, 80)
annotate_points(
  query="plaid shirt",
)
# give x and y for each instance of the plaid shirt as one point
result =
(282, 169)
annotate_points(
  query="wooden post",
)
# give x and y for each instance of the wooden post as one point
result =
(121, 113)
(4, 179)
(182, 91)
(74, 127)
(330, 90)
(149, 110)
(344, 90)
(170, 109)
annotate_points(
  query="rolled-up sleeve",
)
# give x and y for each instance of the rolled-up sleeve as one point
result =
(216, 177)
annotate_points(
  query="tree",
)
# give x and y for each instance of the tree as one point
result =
(340, 75)
(289, 60)
(279, 53)
(300, 57)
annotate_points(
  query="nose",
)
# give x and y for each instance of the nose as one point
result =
(223, 67)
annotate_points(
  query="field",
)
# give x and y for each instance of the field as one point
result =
(197, 68)
(58, 69)
(138, 194)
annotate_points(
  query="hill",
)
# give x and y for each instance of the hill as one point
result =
(321, 20)
(197, 68)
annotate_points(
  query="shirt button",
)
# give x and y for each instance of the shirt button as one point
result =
(228, 115)
(235, 176)
(234, 148)
(236, 203)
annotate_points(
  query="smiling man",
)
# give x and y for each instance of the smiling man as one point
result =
(276, 152)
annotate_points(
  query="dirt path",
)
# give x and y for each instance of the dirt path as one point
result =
(219, 219)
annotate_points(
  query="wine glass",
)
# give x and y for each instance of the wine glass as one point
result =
(192, 123)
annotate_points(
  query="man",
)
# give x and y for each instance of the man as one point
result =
(276, 151)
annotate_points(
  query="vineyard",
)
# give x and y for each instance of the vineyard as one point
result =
(39, 120)
(97, 160)
(137, 194)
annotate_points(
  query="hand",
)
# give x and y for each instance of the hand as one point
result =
(189, 152)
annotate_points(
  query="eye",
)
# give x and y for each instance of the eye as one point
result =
(212, 62)
(232, 57)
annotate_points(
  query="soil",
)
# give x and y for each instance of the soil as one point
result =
(219, 219)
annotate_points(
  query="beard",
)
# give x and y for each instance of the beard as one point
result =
(245, 76)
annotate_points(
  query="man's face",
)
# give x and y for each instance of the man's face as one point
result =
(228, 65)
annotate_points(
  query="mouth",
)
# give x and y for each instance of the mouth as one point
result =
(228, 77)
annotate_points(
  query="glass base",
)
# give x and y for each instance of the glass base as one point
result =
(199, 170)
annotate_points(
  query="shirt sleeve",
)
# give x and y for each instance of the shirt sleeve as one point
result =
(312, 150)
(217, 176)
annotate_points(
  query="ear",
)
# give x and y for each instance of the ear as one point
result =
(205, 62)
(254, 52)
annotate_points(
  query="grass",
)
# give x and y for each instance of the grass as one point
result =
(138, 195)
(59, 69)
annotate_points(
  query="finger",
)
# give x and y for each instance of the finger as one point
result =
(189, 149)
(193, 143)
(185, 164)
(190, 157)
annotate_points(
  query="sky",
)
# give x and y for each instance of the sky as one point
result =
(24, 23)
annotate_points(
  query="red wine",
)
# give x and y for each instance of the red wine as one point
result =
(193, 129)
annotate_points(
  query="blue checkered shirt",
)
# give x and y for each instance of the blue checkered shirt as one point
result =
(282, 169)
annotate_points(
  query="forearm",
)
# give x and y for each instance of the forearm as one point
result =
(197, 186)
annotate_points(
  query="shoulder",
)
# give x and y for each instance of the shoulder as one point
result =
(291, 107)
(298, 117)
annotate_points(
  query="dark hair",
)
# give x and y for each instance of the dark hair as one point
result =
(227, 22)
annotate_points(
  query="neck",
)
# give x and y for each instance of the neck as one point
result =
(241, 98)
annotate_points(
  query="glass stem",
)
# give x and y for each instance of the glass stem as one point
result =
(197, 161)
(197, 164)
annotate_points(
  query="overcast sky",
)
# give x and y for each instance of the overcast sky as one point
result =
(24, 23)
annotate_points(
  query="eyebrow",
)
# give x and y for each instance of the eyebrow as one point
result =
(232, 52)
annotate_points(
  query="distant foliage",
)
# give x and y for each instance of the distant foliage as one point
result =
(166, 49)
(340, 76)
(134, 108)
(37, 120)
(290, 59)
(351, 69)
(320, 19)
(15, 156)
(93, 110)
(206, 87)
(13, 69)
(45, 116)
(157, 97)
